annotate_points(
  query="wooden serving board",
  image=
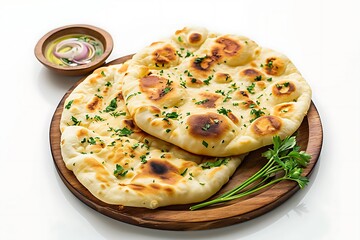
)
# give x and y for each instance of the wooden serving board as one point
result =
(309, 137)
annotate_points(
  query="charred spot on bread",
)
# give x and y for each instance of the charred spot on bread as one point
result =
(94, 104)
(274, 66)
(208, 100)
(165, 55)
(195, 38)
(161, 170)
(203, 63)
(210, 125)
(155, 87)
(229, 46)
(283, 88)
(266, 125)
(283, 110)
(252, 74)
(130, 124)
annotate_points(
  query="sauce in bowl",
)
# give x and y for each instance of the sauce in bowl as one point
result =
(74, 50)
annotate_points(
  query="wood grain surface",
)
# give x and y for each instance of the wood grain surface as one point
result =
(179, 217)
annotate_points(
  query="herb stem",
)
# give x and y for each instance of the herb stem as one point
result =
(285, 159)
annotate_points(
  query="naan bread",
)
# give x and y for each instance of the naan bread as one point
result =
(119, 163)
(213, 94)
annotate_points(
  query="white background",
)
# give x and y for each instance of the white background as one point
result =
(322, 38)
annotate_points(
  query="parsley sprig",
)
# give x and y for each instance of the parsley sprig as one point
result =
(285, 159)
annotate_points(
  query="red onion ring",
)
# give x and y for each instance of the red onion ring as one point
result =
(80, 52)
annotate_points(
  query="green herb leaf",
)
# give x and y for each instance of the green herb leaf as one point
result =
(143, 159)
(120, 171)
(199, 59)
(224, 111)
(91, 141)
(75, 121)
(202, 101)
(251, 88)
(124, 132)
(112, 106)
(184, 172)
(217, 163)
(206, 126)
(68, 105)
(257, 113)
(207, 81)
(285, 162)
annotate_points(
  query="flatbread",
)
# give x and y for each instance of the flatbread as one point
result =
(119, 163)
(214, 94)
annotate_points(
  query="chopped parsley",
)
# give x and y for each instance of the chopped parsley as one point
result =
(206, 126)
(91, 141)
(121, 132)
(224, 111)
(112, 106)
(143, 159)
(98, 118)
(124, 131)
(220, 91)
(269, 64)
(135, 145)
(166, 90)
(207, 81)
(183, 84)
(257, 113)
(120, 171)
(187, 72)
(205, 143)
(199, 59)
(184, 172)
(68, 105)
(285, 84)
(172, 115)
(132, 95)
(251, 88)
(75, 121)
(117, 114)
(217, 163)
(202, 101)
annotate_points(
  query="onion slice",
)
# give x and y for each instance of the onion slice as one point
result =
(78, 51)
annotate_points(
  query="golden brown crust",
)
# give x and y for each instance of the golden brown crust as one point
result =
(164, 55)
(228, 47)
(266, 125)
(210, 125)
(118, 162)
(208, 100)
(156, 88)
(228, 76)
(274, 66)
(283, 88)
(252, 74)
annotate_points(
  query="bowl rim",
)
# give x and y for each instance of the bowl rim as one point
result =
(108, 47)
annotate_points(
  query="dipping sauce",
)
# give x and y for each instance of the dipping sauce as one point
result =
(74, 50)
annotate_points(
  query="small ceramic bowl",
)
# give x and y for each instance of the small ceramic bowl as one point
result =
(42, 52)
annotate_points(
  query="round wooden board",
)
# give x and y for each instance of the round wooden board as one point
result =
(309, 137)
